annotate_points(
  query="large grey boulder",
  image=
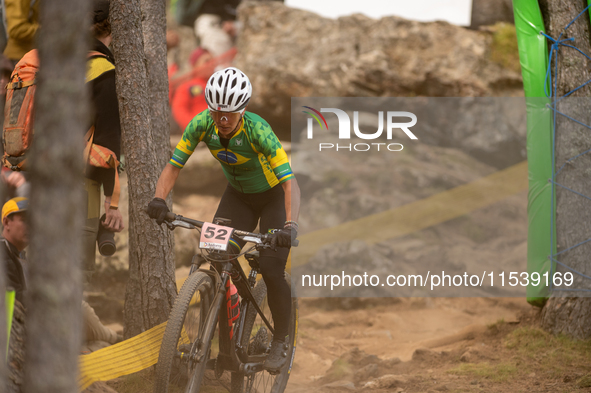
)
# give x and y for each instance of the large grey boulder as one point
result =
(289, 53)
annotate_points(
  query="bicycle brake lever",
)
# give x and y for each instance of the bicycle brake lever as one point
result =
(262, 246)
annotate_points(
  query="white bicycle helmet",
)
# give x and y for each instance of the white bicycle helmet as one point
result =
(228, 90)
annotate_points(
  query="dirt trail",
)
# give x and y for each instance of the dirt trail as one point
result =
(393, 328)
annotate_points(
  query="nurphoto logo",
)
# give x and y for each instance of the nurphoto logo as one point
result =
(392, 124)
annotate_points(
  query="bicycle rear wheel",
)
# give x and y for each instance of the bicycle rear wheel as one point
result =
(257, 342)
(185, 325)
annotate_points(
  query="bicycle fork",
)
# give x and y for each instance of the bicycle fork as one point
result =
(212, 317)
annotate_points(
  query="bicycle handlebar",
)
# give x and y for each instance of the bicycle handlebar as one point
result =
(265, 238)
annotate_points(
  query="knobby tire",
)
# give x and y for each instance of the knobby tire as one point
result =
(170, 369)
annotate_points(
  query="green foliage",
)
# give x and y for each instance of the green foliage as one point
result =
(339, 369)
(504, 46)
(498, 325)
(500, 372)
(533, 351)
(584, 382)
(554, 355)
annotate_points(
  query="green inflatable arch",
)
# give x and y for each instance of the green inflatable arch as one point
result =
(533, 56)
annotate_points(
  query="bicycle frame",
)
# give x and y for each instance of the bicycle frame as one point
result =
(243, 340)
(232, 356)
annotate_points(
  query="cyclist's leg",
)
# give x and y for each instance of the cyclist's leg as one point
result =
(244, 210)
(278, 292)
(273, 263)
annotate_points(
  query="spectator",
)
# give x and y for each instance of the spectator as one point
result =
(16, 183)
(22, 19)
(15, 237)
(189, 99)
(172, 39)
(107, 133)
(216, 26)
(6, 69)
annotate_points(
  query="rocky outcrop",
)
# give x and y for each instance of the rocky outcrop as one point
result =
(289, 53)
(356, 367)
(489, 12)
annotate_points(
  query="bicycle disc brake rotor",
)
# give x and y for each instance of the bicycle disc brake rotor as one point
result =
(260, 343)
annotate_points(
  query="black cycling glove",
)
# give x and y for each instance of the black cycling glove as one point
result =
(157, 209)
(284, 237)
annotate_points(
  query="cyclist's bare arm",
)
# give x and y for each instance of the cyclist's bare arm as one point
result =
(292, 199)
(166, 181)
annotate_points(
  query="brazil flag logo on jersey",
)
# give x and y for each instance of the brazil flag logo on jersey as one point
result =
(227, 156)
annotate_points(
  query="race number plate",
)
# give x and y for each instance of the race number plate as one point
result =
(215, 237)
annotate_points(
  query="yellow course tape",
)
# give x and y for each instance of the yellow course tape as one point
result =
(124, 358)
(141, 352)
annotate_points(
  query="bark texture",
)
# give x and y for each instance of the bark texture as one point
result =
(571, 315)
(154, 29)
(57, 206)
(151, 287)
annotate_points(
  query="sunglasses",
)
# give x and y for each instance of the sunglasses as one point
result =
(219, 116)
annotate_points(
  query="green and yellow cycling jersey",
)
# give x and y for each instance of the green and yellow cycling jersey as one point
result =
(254, 160)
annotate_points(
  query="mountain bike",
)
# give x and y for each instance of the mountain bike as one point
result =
(205, 331)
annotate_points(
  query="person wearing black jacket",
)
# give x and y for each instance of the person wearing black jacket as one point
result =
(100, 76)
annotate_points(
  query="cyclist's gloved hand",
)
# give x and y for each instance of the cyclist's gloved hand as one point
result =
(157, 209)
(284, 237)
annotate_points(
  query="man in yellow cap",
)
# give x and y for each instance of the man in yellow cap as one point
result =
(15, 238)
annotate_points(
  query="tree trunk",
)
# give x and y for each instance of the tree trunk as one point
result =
(56, 214)
(571, 315)
(154, 28)
(151, 288)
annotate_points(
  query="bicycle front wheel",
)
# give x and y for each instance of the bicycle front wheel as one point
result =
(257, 338)
(185, 326)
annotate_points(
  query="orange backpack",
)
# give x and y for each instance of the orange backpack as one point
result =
(19, 111)
(18, 122)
